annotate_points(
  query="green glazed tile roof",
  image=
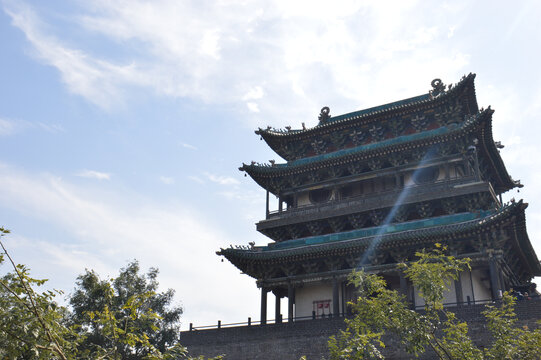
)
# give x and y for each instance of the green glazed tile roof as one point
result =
(427, 229)
(380, 230)
(373, 146)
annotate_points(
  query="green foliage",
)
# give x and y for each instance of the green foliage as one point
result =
(125, 315)
(379, 310)
(31, 324)
(432, 275)
(122, 318)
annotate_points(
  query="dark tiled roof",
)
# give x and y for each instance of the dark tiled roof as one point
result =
(376, 110)
(481, 123)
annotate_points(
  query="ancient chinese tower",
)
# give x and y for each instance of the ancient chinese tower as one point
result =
(370, 188)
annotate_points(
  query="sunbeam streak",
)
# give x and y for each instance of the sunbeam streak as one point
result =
(399, 201)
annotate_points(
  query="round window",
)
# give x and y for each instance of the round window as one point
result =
(320, 196)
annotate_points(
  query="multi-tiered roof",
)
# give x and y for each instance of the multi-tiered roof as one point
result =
(371, 187)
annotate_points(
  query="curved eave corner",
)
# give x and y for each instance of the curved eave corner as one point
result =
(506, 182)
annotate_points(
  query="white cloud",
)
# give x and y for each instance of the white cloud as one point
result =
(188, 146)
(196, 179)
(51, 128)
(252, 106)
(95, 79)
(254, 94)
(209, 45)
(304, 56)
(100, 232)
(167, 180)
(7, 127)
(451, 31)
(222, 180)
(13, 126)
(92, 174)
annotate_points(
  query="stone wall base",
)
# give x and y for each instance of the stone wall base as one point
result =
(310, 337)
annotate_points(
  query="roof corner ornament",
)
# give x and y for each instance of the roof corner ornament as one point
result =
(324, 115)
(438, 88)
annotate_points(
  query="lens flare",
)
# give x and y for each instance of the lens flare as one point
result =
(399, 201)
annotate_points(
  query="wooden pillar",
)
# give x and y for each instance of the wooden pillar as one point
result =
(278, 315)
(280, 203)
(467, 167)
(458, 290)
(403, 285)
(502, 280)
(263, 305)
(494, 278)
(335, 298)
(471, 284)
(267, 212)
(290, 301)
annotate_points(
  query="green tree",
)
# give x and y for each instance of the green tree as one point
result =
(122, 318)
(132, 301)
(31, 323)
(379, 310)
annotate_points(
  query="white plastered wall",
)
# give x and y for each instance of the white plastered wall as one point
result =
(306, 295)
(303, 199)
(472, 286)
(481, 288)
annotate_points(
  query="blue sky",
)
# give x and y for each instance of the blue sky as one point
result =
(123, 123)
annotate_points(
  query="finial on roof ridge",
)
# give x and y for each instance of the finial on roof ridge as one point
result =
(324, 115)
(438, 88)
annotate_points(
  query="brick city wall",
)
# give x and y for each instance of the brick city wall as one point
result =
(309, 337)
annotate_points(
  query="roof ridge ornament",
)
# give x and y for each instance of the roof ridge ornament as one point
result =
(324, 115)
(438, 88)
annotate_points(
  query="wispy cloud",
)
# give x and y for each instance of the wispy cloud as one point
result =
(51, 128)
(252, 106)
(167, 180)
(7, 127)
(222, 180)
(197, 179)
(188, 146)
(102, 233)
(295, 54)
(93, 78)
(92, 174)
(13, 126)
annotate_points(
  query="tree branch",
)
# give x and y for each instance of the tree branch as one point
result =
(34, 309)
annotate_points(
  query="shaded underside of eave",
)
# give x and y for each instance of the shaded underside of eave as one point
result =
(524, 245)
(456, 230)
(498, 168)
(275, 139)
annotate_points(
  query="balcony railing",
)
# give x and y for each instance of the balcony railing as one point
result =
(381, 199)
(280, 320)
